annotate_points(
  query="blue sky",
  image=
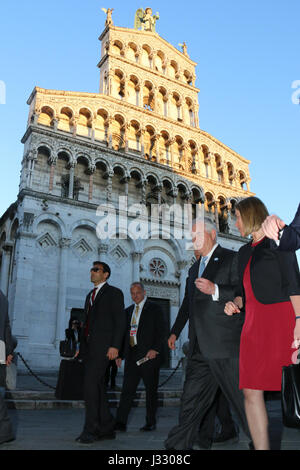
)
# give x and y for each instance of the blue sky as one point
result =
(247, 54)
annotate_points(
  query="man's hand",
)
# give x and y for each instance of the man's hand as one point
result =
(272, 225)
(151, 354)
(9, 359)
(118, 362)
(112, 354)
(205, 286)
(171, 342)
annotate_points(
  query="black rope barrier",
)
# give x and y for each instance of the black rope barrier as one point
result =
(33, 374)
(54, 388)
(171, 375)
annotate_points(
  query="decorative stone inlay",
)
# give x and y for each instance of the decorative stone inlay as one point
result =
(46, 242)
(82, 248)
(119, 254)
(157, 268)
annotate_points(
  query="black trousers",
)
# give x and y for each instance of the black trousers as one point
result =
(149, 373)
(204, 377)
(98, 418)
(6, 430)
(111, 373)
(220, 409)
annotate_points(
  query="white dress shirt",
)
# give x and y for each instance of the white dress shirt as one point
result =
(215, 296)
(98, 288)
(138, 316)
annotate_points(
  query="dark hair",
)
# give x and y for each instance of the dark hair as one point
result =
(106, 268)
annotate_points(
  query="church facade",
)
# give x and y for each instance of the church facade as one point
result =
(130, 150)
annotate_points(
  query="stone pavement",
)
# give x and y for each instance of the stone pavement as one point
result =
(56, 429)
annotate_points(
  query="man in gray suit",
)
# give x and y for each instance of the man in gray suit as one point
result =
(6, 349)
(213, 359)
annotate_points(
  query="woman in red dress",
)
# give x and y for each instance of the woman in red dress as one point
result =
(270, 292)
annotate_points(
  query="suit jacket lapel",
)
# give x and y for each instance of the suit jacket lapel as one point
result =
(213, 264)
(98, 297)
(143, 313)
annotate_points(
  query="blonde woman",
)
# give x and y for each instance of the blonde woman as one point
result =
(270, 293)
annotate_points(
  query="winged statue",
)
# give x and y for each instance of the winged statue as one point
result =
(108, 12)
(144, 19)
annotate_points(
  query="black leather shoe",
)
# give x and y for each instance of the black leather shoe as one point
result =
(86, 438)
(148, 427)
(105, 436)
(226, 437)
(120, 427)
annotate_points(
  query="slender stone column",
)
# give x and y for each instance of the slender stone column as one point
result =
(102, 251)
(109, 176)
(171, 142)
(61, 319)
(136, 258)
(32, 158)
(142, 143)
(5, 265)
(91, 170)
(216, 215)
(52, 162)
(55, 124)
(109, 134)
(71, 180)
(74, 123)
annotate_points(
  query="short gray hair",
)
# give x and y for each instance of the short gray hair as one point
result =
(208, 223)
(137, 283)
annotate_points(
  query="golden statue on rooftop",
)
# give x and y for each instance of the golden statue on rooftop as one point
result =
(144, 19)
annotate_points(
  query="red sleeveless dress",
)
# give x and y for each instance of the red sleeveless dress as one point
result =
(266, 340)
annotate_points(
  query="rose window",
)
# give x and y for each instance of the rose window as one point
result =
(157, 267)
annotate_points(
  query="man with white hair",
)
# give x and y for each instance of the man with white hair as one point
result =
(287, 237)
(213, 359)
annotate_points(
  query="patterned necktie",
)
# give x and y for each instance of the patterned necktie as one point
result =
(134, 322)
(202, 265)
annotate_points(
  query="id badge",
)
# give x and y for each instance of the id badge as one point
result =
(133, 330)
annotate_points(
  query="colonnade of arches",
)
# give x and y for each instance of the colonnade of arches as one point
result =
(149, 57)
(158, 145)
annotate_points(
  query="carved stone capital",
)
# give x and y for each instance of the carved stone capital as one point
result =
(103, 248)
(65, 242)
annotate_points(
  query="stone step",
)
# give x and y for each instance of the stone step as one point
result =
(54, 404)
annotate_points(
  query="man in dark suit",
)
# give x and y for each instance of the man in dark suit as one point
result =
(287, 237)
(214, 342)
(143, 339)
(220, 408)
(6, 357)
(101, 340)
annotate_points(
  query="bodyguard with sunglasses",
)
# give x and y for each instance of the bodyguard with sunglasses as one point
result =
(101, 338)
